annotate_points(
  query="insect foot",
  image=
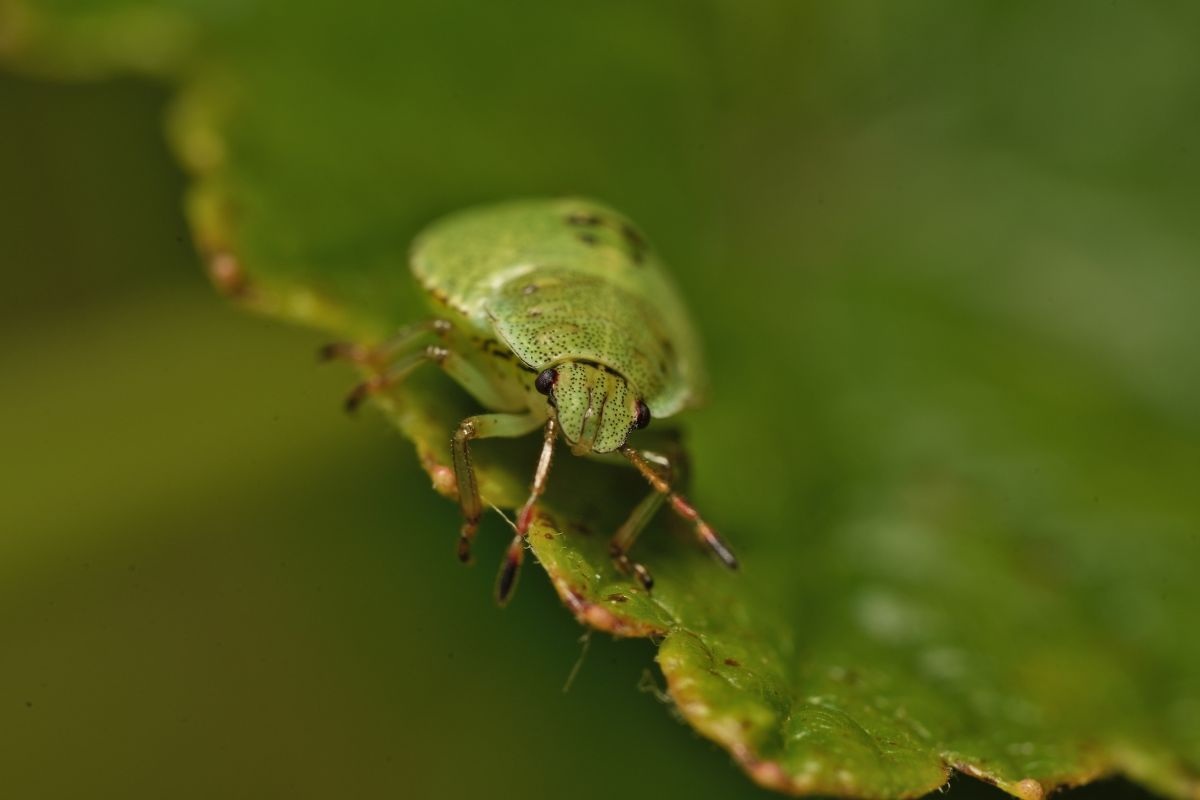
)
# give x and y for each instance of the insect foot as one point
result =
(344, 351)
(627, 566)
(510, 569)
(463, 548)
(361, 392)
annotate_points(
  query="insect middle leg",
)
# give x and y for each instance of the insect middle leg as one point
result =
(639, 518)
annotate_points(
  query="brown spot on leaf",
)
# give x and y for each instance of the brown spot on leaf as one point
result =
(226, 274)
(597, 616)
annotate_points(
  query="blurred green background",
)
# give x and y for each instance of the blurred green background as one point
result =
(213, 584)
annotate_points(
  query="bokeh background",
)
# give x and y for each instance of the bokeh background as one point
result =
(212, 583)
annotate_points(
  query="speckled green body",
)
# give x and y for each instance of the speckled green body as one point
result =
(570, 284)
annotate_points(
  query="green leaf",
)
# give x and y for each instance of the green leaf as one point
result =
(948, 292)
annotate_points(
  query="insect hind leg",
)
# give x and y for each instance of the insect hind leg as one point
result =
(380, 355)
(392, 360)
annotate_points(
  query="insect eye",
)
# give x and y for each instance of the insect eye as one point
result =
(643, 415)
(545, 380)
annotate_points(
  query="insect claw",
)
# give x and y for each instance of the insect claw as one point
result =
(643, 575)
(626, 566)
(506, 581)
(718, 546)
(356, 396)
(348, 351)
(463, 549)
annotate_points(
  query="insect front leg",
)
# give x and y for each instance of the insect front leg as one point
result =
(484, 426)
(506, 581)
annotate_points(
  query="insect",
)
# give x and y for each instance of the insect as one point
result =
(553, 314)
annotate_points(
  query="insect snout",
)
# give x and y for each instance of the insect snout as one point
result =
(595, 406)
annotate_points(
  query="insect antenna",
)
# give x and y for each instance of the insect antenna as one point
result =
(682, 507)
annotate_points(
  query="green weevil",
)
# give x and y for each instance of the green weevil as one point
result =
(553, 314)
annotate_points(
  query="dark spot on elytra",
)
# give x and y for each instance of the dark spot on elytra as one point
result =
(636, 242)
(668, 348)
(583, 218)
(495, 349)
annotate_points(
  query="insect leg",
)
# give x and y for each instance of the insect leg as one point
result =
(681, 506)
(462, 371)
(475, 381)
(483, 426)
(507, 579)
(625, 536)
(380, 354)
(382, 381)
(669, 469)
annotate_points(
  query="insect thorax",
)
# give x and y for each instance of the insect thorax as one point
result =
(549, 317)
